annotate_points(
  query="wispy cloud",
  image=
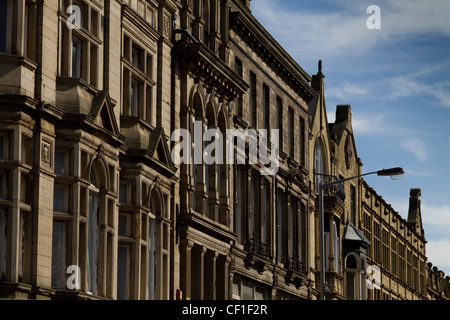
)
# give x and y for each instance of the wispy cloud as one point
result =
(345, 27)
(368, 124)
(438, 254)
(415, 146)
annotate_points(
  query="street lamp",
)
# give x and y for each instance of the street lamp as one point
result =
(383, 173)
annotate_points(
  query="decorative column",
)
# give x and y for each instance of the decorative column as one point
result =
(223, 277)
(210, 275)
(186, 270)
(197, 272)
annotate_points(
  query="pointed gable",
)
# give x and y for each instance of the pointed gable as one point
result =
(159, 150)
(102, 111)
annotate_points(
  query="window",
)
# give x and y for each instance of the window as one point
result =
(282, 227)
(266, 214)
(206, 26)
(301, 149)
(253, 105)
(238, 100)
(124, 225)
(401, 261)
(245, 290)
(318, 165)
(80, 47)
(76, 58)
(134, 101)
(352, 205)
(266, 107)
(60, 201)
(124, 189)
(394, 256)
(3, 147)
(3, 24)
(123, 272)
(376, 241)
(254, 209)
(61, 163)
(151, 268)
(291, 132)
(3, 244)
(240, 208)
(59, 255)
(386, 253)
(136, 57)
(93, 225)
(280, 120)
(351, 280)
(336, 243)
(291, 230)
(27, 149)
(3, 184)
(137, 81)
(367, 229)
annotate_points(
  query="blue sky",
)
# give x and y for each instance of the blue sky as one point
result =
(397, 81)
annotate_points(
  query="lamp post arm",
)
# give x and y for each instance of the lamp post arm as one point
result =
(326, 184)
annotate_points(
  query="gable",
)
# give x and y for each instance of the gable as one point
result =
(102, 111)
(158, 149)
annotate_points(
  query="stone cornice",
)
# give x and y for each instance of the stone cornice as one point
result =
(210, 69)
(246, 25)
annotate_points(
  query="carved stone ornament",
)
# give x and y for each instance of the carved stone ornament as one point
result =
(46, 153)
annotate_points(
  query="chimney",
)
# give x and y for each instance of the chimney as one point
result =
(343, 113)
(414, 206)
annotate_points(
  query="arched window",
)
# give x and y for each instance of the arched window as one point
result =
(158, 248)
(318, 165)
(352, 280)
(93, 228)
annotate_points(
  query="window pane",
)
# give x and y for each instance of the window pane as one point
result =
(123, 273)
(3, 29)
(92, 242)
(2, 148)
(76, 54)
(134, 98)
(58, 255)
(247, 292)
(58, 199)
(135, 57)
(123, 192)
(259, 294)
(151, 286)
(60, 163)
(3, 244)
(123, 225)
(3, 184)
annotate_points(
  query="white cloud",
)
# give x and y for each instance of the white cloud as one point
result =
(346, 92)
(415, 146)
(368, 124)
(438, 254)
(436, 218)
(345, 28)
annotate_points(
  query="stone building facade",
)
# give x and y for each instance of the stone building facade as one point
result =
(94, 206)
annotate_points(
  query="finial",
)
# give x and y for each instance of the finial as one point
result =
(320, 67)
